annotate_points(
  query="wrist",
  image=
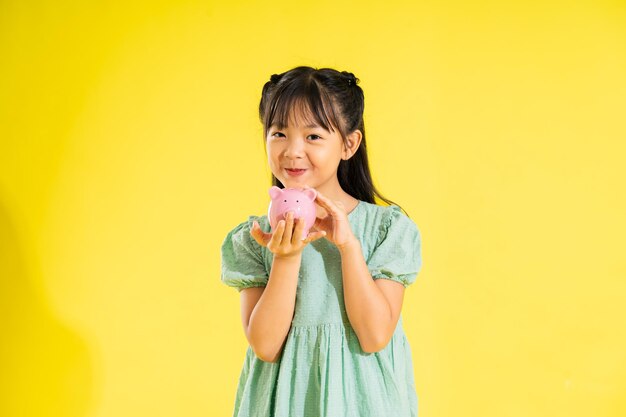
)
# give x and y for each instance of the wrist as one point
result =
(349, 245)
(294, 257)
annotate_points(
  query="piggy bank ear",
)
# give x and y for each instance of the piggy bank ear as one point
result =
(275, 192)
(310, 193)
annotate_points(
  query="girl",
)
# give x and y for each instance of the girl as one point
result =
(325, 331)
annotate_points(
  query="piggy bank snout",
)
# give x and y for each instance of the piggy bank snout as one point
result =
(296, 210)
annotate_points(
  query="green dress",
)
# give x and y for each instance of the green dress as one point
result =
(322, 370)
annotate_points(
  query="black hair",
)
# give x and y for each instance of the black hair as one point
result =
(336, 102)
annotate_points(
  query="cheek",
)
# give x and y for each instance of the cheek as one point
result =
(274, 162)
(272, 154)
(274, 146)
(329, 157)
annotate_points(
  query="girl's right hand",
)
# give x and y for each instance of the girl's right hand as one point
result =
(286, 241)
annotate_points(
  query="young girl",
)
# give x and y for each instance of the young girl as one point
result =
(325, 331)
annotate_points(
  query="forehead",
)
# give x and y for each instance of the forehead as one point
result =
(297, 117)
(301, 112)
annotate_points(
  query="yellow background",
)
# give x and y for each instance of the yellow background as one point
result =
(130, 145)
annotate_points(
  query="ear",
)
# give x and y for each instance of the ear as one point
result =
(310, 193)
(353, 141)
(275, 192)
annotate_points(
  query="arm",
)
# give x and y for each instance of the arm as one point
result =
(373, 306)
(267, 312)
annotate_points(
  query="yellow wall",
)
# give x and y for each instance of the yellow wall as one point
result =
(130, 145)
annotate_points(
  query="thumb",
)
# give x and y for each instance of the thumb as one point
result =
(314, 236)
(257, 234)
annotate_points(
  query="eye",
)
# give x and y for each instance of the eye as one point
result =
(316, 136)
(285, 201)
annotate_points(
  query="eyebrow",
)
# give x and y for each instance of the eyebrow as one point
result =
(307, 126)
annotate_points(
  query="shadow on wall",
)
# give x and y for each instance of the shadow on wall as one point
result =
(45, 367)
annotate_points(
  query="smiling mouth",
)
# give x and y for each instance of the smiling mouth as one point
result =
(294, 172)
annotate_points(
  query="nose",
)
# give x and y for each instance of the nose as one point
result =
(294, 149)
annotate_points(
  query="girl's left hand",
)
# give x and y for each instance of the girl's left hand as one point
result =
(335, 223)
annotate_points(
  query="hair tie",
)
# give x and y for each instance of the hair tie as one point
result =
(352, 80)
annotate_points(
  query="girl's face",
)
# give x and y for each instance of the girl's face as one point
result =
(305, 154)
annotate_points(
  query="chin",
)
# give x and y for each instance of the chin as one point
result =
(293, 184)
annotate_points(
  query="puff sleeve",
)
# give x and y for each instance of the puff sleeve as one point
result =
(397, 255)
(242, 259)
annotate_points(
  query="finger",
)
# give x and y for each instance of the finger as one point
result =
(297, 232)
(314, 236)
(288, 228)
(258, 235)
(327, 204)
(265, 236)
(277, 236)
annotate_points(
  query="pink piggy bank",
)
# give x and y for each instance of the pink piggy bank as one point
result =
(300, 201)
